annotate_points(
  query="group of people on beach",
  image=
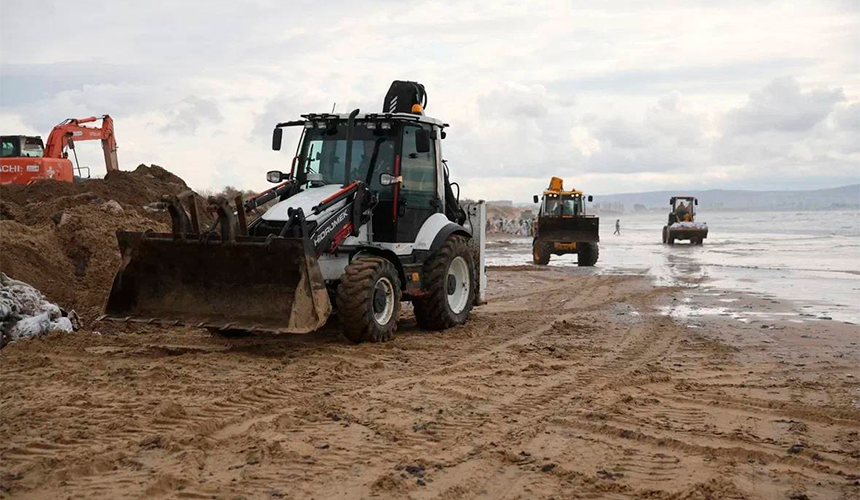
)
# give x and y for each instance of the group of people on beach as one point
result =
(524, 227)
(521, 227)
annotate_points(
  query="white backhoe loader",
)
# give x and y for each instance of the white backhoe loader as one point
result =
(366, 218)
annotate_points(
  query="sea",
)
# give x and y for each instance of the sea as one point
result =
(810, 259)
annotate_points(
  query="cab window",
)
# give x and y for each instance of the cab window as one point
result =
(32, 148)
(418, 171)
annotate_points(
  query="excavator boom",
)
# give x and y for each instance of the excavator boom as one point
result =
(72, 130)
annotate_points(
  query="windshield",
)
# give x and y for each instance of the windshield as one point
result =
(564, 206)
(683, 205)
(324, 153)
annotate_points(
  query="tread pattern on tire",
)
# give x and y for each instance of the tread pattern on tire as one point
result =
(354, 299)
(588, 253)
(432, 311)
(540, 254)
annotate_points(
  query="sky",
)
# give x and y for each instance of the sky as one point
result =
(639, 96)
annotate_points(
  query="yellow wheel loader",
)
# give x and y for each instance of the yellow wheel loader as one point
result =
(682, 222)
(563, 227)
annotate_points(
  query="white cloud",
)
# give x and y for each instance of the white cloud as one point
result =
(628, 96)
(782, 107)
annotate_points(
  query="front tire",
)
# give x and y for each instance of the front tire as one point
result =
(540, 254)
(451, 287)
(665, 235)
(587, 254)
(368, 300)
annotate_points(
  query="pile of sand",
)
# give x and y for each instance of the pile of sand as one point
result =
(60, 237)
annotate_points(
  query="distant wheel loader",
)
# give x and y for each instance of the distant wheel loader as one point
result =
(366, 218)
(562, 226)
(682, 222)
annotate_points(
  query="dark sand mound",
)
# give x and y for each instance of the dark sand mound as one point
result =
(60, 237)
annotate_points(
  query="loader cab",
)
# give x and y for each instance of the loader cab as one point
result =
(683, 209)
(400, 149)
(562, 204)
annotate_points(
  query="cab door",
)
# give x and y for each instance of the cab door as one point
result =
(416, 197)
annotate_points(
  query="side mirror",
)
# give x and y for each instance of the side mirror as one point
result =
(696, 201)
(422, 141)
(442, 134)
(590, 198)
(277, 137)
(388, 179)
(535, 198)
(671, 202)
(276, 176)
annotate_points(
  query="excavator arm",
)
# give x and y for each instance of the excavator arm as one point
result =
(73, 130)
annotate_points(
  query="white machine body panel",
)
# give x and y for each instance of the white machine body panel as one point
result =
(306, 200)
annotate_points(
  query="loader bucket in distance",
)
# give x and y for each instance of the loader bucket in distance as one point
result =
(250, 284)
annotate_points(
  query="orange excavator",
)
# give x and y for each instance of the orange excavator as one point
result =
(25, 159)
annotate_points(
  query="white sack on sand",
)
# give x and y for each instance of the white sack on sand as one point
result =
(689, 225)
(24, 312)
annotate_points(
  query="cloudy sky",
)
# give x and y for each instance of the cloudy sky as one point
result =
(642, 96)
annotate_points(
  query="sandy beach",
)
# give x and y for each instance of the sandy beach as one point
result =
(564, 385)
(547, 250)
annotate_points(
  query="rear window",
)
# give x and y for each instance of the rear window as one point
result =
(32, 147)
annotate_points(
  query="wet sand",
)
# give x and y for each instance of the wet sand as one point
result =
(565, 385)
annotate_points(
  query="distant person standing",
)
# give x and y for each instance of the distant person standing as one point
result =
(617, 227)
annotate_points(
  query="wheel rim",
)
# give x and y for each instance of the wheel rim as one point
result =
(458, 285)
(383, 301)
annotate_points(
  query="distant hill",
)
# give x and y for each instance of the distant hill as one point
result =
(845, 197)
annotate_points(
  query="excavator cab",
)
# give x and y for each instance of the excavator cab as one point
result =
(20, 146)
(23, 161)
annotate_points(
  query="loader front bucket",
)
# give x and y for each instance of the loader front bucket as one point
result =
(569, 229)
(251, 284)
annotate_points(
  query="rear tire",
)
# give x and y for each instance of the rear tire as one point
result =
(451, 287)
(368, 300)
(540, 254)
(587, 254)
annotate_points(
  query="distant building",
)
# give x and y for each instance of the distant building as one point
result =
(501, 203)
(608, 207)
